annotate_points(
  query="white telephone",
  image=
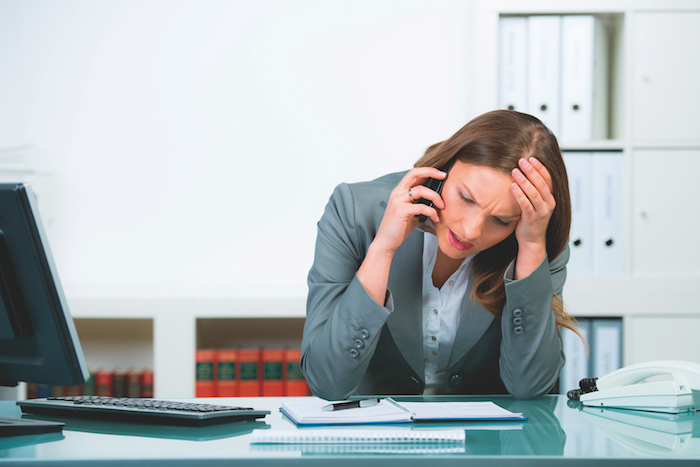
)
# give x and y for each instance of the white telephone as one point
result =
(625, 388)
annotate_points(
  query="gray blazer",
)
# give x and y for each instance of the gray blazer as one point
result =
(353, 345)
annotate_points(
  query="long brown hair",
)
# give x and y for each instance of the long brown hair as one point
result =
(498, 139)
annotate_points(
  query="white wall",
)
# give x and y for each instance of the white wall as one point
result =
(195, 143)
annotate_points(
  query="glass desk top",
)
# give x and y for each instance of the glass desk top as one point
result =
(554, 434)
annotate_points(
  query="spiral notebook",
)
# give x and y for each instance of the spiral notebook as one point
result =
(335, 437)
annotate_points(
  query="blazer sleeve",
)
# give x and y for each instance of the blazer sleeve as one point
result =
(531, 346)
(343, 322)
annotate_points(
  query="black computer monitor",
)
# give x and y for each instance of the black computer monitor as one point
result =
(38, 341)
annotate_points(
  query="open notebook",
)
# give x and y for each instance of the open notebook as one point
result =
(308, 411)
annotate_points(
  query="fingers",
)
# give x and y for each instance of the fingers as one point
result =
(420, 175)
(533, 181)
(419, 192)
(412, 190)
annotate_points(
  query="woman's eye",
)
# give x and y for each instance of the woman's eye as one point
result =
(465, 199)
(501, 222)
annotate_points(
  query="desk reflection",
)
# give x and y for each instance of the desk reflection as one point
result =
(649, 433)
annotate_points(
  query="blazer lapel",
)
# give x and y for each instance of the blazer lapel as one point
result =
(406, 284)
(473, 323)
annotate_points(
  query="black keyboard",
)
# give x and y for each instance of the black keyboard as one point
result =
(140, 410)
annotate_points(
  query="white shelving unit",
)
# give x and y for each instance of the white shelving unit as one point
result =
(655, 124)
(174, 339)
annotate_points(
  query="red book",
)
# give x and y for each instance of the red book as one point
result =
(103, 383)
(272, 372)
(295, 384)
(73, 390)
(226, 384)
(248, 372)
(133, 384)
(147, 383)
(206, 373)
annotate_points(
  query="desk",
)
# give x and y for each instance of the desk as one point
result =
(554, 435)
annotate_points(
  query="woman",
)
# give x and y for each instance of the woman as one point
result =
(466, 302)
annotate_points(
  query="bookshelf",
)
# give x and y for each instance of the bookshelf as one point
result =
(167, 331)
(653, 123)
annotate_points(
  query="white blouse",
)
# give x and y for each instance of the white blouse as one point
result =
(441, 312)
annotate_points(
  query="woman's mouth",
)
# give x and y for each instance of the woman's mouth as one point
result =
(457, 242)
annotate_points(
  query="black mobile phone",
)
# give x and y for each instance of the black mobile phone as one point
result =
(435, 185)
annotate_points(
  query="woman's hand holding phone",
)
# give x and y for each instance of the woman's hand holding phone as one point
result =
(400, 219)
(403, 208)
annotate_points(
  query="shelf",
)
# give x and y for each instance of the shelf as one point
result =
(629, 296)
(249, 333)
(591, 146)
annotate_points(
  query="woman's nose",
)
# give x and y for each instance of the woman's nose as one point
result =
(473, 227)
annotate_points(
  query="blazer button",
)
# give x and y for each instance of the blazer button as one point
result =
(518, 330)
(455, 379)
(364, 333)
(359, 343)
(354, 353)
(517, 312)
(517, 320)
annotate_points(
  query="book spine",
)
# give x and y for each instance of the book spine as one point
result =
(226, 384)
(103, 383)
(42, 390)
(147, 383)
(73, 390)
(295, 383)
(272, 372)
(206, 373)
(119, 383)
(133, 384)
(249, 372)
(89, 385)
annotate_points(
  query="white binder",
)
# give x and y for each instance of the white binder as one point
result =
(579, 168)
(544, 47)
(577, 357)
(608, 251)
(512, 83)
(606, 346)
(584, 82)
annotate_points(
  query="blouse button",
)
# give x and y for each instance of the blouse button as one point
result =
(434, 338)
(452, 282)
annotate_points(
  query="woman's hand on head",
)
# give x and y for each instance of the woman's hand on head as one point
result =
(533, 192)
(400, 217)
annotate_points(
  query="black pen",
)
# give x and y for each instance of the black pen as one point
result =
(350, 404)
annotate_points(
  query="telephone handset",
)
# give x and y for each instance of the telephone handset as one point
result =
(435, 185)
(625, 388)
